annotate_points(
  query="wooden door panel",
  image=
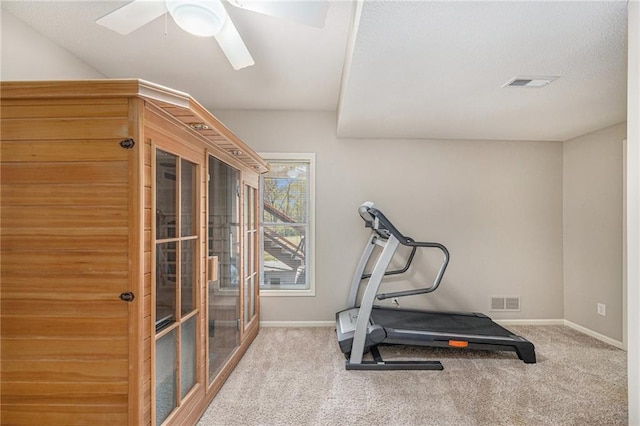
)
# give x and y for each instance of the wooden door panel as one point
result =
(65, 260)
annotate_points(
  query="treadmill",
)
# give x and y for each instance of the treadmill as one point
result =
(361, 329)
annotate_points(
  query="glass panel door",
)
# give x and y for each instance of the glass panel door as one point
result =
(250, 250)
(223, 233)
(177, 257)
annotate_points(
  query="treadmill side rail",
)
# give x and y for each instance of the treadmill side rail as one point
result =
(379, 364)
(395, 365)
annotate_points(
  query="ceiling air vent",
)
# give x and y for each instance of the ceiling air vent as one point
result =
(534, 82)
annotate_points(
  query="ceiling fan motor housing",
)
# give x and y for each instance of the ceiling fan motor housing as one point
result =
(203, 18)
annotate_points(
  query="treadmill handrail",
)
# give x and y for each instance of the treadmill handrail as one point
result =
(381, 219)
(404, 269)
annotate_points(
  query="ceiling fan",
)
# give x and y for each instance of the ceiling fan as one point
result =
(209, 18)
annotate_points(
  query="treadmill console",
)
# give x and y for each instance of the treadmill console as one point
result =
(367, 214)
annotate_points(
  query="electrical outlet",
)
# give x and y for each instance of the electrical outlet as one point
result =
(602, 309)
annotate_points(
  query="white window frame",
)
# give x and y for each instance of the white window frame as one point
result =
(310, 255)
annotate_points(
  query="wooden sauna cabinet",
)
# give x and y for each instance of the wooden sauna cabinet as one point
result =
(129, 274)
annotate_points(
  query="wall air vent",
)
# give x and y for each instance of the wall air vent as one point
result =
(505, 303)
(529, 82)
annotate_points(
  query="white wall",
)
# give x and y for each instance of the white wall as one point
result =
(633, 213)
(27, 55)
(592, 188)
(497, 206)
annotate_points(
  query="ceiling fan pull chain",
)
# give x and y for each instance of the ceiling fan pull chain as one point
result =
(166, 24)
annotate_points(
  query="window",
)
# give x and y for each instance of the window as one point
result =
(287, 215)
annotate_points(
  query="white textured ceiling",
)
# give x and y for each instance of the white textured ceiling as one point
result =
(406, 69)
(436, 70)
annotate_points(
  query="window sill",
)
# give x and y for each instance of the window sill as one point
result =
(287, 292)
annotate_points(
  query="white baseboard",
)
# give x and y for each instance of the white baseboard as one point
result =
(297, 323)
(530, 321)
(601, 337)
(568, 323)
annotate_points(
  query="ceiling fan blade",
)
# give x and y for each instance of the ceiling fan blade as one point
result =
(233, 47)
(307, 12)
(133, 15)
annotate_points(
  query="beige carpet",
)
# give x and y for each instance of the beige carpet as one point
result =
(296, 376)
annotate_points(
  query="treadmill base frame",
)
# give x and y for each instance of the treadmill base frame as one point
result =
(379, 364)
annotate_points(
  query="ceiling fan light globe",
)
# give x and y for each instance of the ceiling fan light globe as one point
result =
(203, 18)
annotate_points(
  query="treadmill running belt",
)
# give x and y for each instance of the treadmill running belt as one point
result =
(442, 322)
